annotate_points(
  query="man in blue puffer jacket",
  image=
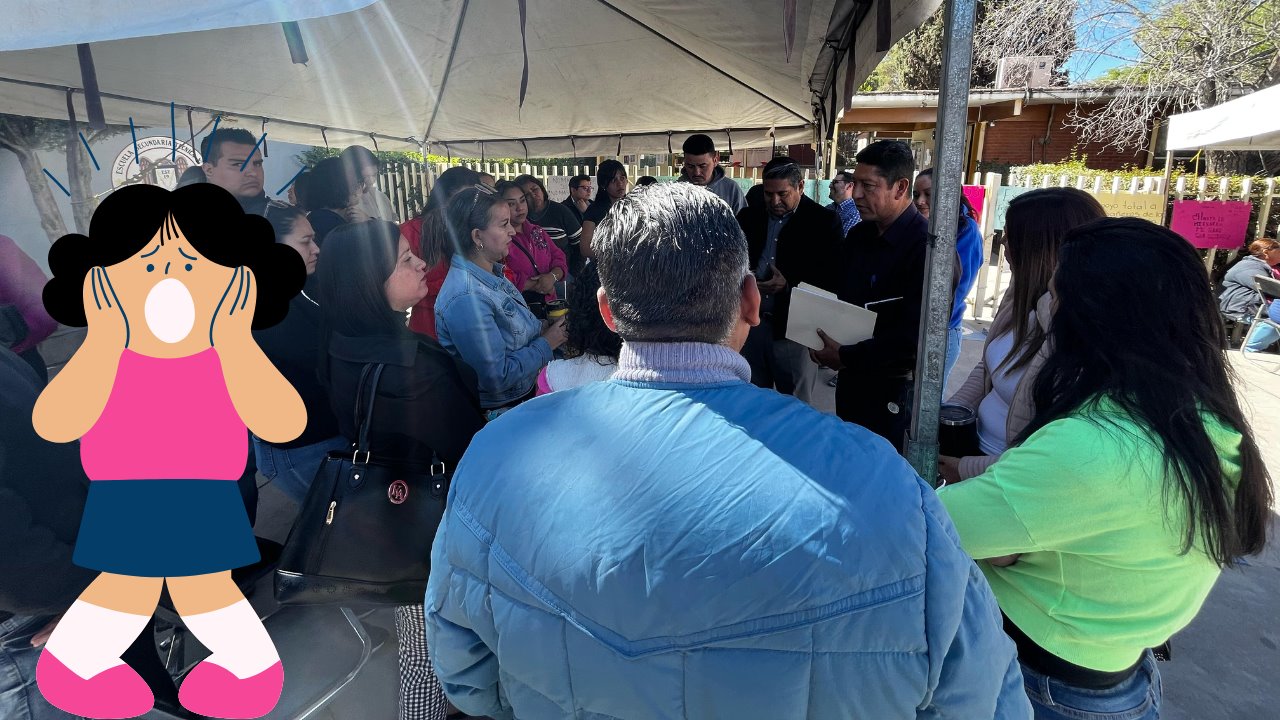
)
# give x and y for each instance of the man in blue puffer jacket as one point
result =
(678, 543)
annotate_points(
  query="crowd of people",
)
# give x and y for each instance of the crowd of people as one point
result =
(685, 540)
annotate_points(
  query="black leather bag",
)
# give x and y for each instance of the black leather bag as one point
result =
(364, 534)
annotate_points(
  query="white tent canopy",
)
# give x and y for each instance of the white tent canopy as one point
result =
(605, 76)
(1251, 122)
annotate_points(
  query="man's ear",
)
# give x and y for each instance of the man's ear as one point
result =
(208, 168)
(750, 301)
(904, 189)
(606, 312)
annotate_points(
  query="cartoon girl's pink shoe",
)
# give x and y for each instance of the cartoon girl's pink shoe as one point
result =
(214, 691)
(116, 693)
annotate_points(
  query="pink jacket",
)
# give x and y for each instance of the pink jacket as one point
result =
(533, 240)
(21, 285)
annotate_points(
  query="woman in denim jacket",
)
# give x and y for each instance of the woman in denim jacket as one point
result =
(480, 316)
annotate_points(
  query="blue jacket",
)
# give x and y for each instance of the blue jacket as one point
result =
(482, 319)
(672, 550)
(969, 246)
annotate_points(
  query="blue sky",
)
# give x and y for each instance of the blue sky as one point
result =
(1101, 40)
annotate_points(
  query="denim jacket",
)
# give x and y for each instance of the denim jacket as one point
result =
(481, 318)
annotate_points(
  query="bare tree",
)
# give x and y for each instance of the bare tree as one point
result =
(1186, 55)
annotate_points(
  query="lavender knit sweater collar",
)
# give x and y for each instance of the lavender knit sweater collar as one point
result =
(682, 363)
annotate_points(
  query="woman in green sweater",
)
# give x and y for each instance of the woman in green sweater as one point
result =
(1136, 482)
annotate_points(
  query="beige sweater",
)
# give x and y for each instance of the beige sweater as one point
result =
(978, 384)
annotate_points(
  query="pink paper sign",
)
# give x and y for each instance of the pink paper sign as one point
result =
(977, 196)
(1213, 224)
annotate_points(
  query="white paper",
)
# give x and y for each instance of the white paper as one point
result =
(813, 308)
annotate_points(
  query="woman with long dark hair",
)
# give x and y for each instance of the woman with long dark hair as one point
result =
(1137, 481)
(429, 240)
(592, 349)
(611, 185)
(426, 403)
(481, 317)
(331, 199)
(293, 346)
(999, 387)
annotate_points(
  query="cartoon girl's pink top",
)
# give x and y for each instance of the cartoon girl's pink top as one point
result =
(167, 419)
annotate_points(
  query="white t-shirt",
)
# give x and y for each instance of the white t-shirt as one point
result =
(993, 411)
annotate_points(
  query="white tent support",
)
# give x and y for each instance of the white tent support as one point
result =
(948, 173)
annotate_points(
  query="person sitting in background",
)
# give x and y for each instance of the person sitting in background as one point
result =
(611, 182)
(999, 387)
(293, 347)
(695, 546)
(426, 407)
(24, 323)
(331, 199)
(558, 221)
(1261, 335)
(702, 168)
(480, 316)
(362, 173)
(225, 152)
(646, 180)
(429, 240)
(1136, 482)
(591, 352)
(579, 196)
(534, 260)
(968, 247)
(1239, 299)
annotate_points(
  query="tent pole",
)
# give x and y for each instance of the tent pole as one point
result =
(1168, 178)
(953, 119)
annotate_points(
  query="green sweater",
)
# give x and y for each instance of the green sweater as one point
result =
(1101, 575)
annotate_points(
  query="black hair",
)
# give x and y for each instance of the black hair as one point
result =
(329, 187)
(449, 183)
(526, 179)
(576, 180)
(211, 149)
(209, 217)
(784, 168)
(646, 180)
(1164, 369)
(469, 210)
(588, 335)
(283, 218)
(504, 185)
(351, 280)
(301, 185)
(698, 145)
(966, 207)
(359, 156)
(891, 158)
(847, 176)
(191, 176)
(605, 174)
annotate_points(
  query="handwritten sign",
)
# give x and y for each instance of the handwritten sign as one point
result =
(1148, 206)
(1213, 224)
(977, 196)
(1004, 196)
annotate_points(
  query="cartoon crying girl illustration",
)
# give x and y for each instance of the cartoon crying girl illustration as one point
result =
(159, 395)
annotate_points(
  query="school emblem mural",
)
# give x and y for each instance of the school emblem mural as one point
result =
(159, 166)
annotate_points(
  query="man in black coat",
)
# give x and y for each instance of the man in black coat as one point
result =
(791, 240)
(882, 270)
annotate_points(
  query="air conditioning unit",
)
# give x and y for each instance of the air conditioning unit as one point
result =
(1025, 72)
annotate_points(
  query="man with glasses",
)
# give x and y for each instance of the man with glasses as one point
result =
(702, 168)
(842, 200)
(580, 194)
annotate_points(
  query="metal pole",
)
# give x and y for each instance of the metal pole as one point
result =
(1168, 177)
(953, 118)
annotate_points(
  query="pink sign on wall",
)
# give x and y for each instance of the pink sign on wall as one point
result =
(977, 196)
(1213, 224)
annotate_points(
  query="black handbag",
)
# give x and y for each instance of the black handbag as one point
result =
(364, 534)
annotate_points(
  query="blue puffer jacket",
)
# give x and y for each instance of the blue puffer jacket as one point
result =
(674, 550)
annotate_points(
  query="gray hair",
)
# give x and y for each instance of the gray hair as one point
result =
(672, 261)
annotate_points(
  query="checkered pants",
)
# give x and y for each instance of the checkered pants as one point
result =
(421, 697)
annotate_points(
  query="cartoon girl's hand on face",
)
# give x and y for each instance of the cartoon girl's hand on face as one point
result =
(108, 325)
(233, 319)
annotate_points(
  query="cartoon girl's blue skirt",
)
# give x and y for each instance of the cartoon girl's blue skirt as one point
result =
(164, 528)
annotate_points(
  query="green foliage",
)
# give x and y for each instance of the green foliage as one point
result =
(1078, 165)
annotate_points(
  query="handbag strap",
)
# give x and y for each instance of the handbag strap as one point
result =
(528, 255)
(366, 394)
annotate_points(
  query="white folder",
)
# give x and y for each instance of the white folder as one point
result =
(813, 308)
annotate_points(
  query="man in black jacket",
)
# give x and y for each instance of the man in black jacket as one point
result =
(882, 270)
(791, 240)
(225, 152)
